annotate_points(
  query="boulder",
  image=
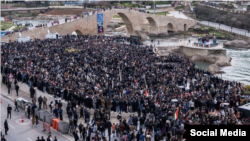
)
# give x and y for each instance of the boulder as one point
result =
(223, 61)
(237, 44)
(213, 68)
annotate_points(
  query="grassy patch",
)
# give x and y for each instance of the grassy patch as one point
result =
(180, 7)
(203, 27)
(121, 23)
(161, 13)
(116, 16)
(6, 25)
(17, 28)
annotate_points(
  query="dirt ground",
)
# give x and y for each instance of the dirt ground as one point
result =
(66, 11)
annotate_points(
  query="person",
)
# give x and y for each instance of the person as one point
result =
(60, 112)
(44, 102)
(142, 137)
(51, 106)
(28, 112)
(42, 139)
(17, 88)
(9, 108)
(38, 139)
(9, 87)
(33, 121)
(6, 126)
(55, 139)
(113, 129)
(75, 133)
(3, 138)
(40, 100)
(37, 119)
(16, 106)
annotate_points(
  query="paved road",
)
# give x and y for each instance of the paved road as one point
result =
(23, 131)
(226, 28)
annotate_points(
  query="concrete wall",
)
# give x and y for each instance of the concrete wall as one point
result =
(191, 51)
(132, 19)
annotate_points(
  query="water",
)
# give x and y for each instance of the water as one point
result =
(202, 64)
(240, 69)
(34, 22)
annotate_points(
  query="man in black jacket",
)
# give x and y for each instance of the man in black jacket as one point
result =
(16, 106)
(75, 133)
(142, 121)
(9, 111)
(135, 122)
(6, 126)
(32, 92)
(17, 88)
(40, 101)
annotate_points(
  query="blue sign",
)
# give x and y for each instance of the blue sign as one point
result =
(100, 22)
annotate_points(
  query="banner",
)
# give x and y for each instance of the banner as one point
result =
(100, 22)
(49, 24)
(31, 27)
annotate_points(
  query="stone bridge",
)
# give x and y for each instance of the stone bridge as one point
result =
(132, 19)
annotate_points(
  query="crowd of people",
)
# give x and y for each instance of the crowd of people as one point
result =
(95, 72)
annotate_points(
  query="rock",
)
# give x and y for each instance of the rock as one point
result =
(218, 59)
(237, 44)
(223, 61)
(214, 69)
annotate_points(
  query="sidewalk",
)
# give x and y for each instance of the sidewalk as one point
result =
(24, 93)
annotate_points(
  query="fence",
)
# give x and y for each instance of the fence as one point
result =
(46, 127)
(191, 43)
(225, 9)
(226, 28)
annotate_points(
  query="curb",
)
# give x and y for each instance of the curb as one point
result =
(7, 97)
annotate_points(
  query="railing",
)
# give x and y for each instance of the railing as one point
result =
(226, 28)
(191, 43)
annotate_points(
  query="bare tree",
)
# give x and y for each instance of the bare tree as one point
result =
(102, 4)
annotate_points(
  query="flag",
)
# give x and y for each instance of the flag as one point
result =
(209, 46)
(146, 93)
(176, 114)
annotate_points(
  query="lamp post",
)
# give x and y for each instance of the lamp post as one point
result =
(154, 8)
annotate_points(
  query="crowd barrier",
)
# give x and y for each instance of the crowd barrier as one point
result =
(46, 127)
(192, 44)
(21, 102)
(55, 123)
(63, 127)
(37, 112)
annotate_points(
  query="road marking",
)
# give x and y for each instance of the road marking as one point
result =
(68, 137)
(8, 101)
(11, 126)
(29, 139)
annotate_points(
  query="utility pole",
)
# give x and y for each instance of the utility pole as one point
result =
(154, 7)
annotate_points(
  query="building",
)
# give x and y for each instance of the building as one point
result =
(70, 2)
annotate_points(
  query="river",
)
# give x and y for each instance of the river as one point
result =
(240, 69)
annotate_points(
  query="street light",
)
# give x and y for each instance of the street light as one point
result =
(154, 8)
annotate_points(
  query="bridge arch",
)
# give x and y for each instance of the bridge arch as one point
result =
(185, 27)
(78, 32)
(126, 20)
(170, 27)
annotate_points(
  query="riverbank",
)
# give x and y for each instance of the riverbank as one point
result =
(217, 57)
